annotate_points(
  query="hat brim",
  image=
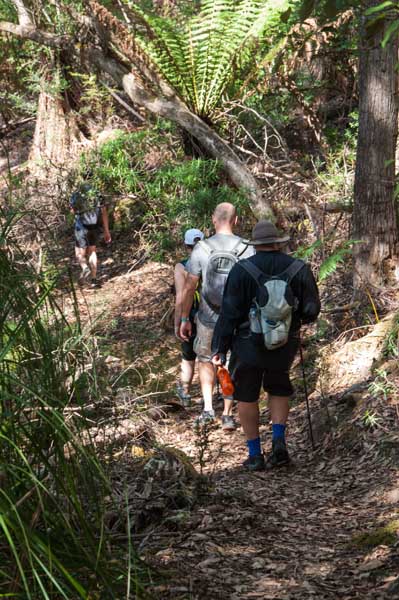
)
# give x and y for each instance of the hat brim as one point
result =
(267, 241)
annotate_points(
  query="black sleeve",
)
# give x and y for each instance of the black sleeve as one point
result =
(309, 304)
(237, 300)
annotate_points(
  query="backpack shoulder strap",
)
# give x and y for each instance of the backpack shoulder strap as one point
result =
(206, 246)
(210, 248)
(252, 270)
(235, 248)
(292, 270)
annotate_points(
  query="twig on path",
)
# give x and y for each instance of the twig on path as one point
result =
(150, 394)
(138, 262)
(339, 309)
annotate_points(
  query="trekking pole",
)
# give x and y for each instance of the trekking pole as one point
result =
(306, 394)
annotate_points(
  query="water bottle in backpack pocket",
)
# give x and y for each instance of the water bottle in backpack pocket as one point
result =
(255, 325)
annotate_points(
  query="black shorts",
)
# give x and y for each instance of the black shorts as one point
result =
(187, 350)
(248, 379)
(86, 236)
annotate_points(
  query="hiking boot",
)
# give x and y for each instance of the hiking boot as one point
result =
(254, 463)
(279, 455)
(207, 417)
(95, 283)
(85, 274)
(228, 423)
(184, 398)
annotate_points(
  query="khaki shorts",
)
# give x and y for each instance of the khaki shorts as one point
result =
(203, 342)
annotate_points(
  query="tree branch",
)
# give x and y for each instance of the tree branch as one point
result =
(28, 32)
(24, 17)
(125, 105)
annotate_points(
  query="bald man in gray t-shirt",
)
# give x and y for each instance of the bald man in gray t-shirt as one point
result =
(224, 219)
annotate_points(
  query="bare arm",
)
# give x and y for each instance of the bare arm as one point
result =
(188, 297)
(188, 294)
(105, 222)
(180, 281)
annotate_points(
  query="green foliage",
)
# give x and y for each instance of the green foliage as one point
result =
(94, 98)
(331, 263)
(306, 252)
(151, 189)
(324, 9)
(200, 56)
(53, 539)
(386, 535)
(370, 419)
(381, 386)
(383, 15)
(391, 348)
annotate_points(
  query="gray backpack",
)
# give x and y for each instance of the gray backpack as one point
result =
(218, 268)
(270, 316)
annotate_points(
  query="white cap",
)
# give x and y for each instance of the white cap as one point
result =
(192, 236)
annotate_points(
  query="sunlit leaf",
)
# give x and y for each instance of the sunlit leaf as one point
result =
(394, 26)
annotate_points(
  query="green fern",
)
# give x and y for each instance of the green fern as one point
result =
(331, 263)
(305, 252)
(198, 58)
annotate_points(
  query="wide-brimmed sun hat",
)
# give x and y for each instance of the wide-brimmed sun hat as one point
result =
(192, 236)
(265, 232)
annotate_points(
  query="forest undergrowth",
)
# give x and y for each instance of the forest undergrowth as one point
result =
(327, 526)
(110, 470)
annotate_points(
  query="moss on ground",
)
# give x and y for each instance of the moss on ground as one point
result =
(386, 535)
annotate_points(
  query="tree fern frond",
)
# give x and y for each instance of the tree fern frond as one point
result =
(305, 252)
(164, 44)
(199, 58)
(226, 42)
(331, 263)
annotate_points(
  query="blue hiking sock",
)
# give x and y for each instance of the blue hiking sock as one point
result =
(278, 431)
(254, 447)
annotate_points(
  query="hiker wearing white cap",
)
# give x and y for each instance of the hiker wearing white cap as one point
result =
(266, 300)
(211, 260)
(188, 356)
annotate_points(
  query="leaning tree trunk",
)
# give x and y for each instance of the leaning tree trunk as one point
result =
(374, 211)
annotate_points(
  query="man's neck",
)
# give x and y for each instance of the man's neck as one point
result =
(225, 229)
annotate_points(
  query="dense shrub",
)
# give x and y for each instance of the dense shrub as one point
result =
(54, 542)
(154, 188)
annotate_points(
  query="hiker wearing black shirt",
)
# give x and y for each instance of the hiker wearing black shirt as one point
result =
(188, 355)
(252, 364)
(90, 216)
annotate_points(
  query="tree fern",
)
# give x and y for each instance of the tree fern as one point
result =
(198, 58)
(331, 263)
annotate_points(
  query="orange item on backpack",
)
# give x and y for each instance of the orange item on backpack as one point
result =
(225, 381)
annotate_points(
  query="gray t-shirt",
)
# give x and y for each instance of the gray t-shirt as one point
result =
(198, 263)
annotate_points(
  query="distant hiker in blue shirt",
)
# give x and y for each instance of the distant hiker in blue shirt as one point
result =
(90, 216)
(191, 237)
(266, 299)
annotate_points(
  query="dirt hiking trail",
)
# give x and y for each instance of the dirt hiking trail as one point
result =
(288, 534)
